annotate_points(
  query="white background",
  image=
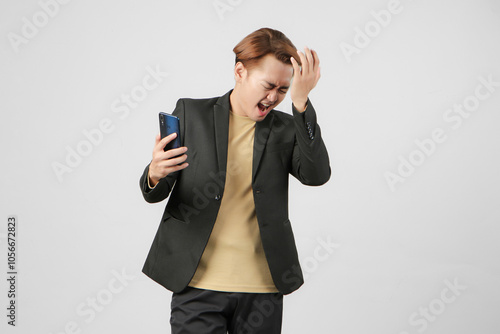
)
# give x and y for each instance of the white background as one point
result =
(397, 247)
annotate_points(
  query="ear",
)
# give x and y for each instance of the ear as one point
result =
(240, 72)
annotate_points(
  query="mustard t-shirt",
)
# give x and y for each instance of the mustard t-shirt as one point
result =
(234, 258)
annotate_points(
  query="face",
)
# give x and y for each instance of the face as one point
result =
(260, 89)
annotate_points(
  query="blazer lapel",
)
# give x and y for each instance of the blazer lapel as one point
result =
(262, 131)
(221, 122)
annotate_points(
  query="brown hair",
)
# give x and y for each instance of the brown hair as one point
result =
(263, 42)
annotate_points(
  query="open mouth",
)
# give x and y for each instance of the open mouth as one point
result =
(264, 108)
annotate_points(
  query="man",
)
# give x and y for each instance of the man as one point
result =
(225, 245)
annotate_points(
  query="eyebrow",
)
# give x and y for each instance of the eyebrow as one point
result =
(273, 85)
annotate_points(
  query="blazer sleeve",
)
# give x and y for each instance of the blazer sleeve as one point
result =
(310, 161)
(165, 185)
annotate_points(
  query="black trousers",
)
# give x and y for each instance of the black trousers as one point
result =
(199, 311)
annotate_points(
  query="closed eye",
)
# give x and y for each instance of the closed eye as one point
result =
(282, 90)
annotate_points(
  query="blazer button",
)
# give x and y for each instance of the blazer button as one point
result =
(217, 197)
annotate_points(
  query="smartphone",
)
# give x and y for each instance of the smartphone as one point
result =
(168, 125)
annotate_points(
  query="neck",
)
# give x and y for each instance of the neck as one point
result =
(235, 106)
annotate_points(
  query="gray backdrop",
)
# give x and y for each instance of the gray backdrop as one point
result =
(403, 239)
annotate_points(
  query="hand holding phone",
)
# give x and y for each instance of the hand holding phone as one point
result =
(168, 155)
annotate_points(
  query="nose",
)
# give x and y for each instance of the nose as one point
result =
(272, 96)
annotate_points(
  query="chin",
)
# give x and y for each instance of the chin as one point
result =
(259, 117)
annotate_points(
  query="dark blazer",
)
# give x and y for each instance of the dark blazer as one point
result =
(284, 144)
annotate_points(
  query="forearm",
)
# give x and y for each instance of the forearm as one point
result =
(311, 164)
